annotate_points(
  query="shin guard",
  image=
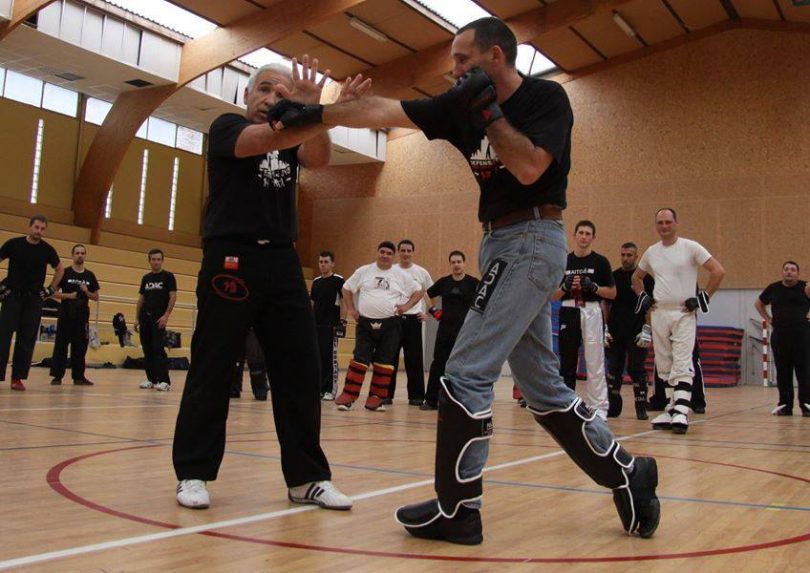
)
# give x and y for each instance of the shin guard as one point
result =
(354, 382)
(615, 402)
(458, 428)
(381, 379)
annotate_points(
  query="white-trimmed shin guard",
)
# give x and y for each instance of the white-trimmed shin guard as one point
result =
(457, 430)
(682, 394)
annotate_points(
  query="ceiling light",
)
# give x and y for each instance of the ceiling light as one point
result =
(367, 30)
(624, 25)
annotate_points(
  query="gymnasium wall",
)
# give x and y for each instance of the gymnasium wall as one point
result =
(63, 138)
(716, 128)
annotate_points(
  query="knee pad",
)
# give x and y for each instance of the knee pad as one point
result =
(457, 430)
(381, 379)
(608, 468)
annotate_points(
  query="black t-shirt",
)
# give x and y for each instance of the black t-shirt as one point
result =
(456, 299)
(593, 265)
(155, 288)
(326, 294)
(789, 305)
(27, 263)
(253, 197)
(540, 110)
(623, 317)
(71, 282)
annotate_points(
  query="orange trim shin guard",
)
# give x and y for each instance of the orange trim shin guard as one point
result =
(381, 379)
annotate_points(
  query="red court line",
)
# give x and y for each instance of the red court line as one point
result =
(54, 481)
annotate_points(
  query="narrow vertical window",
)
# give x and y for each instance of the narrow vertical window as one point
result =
(37, 161)
(108, 204)
(144, 173)
(173, 203)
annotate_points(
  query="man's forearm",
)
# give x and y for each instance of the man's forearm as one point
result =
(715, 278)
(371, 112)
(519, 155)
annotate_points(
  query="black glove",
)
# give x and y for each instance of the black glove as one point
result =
(340, 329)
(588, 286)
(46, 292)
(644, 303)
(294, 114)
(567, 284)
(700, 301)
(476, 93)
(4, 292)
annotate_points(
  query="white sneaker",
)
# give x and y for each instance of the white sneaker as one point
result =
(146, 385)
(163, 386)
(680, 423)
(662, 421)
(322, 493)
(328, 397)
(192, 493)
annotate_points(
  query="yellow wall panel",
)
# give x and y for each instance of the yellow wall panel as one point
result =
(17, 140)
(57, 170)
(189, 193)
(158, 186)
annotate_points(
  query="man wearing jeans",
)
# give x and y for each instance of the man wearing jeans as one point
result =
(515, 132)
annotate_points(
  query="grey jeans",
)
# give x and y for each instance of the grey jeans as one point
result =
(510, 319)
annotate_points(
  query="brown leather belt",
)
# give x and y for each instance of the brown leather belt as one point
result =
(546, 211)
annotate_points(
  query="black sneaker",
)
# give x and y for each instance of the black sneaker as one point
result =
(699, 409)
(639, 508)
(641, 413)
(653, 406)
(82, 382)
(56, 382)
(387, 401)
(415, 402)
(260, 396)
(428, 405)
(424, 520)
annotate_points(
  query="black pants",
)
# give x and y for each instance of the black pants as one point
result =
(21, 314)
(70, 331)
(153, 340)
(791, 346)
(570, 339)
(623, 351)
(414, 358)
(659, 400)
(266, 292)
(378, 340)
(327, 346)
(441, 353)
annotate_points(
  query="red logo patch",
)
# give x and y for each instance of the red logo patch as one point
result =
(231, 263)
(230, 287)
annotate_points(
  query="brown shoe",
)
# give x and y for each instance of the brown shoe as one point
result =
(17, 384)
(375, 403)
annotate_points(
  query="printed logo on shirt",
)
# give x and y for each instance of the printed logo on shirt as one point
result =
(230, 288)
(231, 263)
(274, 172)
(485, 162)
(157, 285)
(580, 271)
(382, 283)
(487, 285)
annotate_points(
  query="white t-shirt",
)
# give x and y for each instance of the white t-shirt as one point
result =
(421, 276)
(380, 290)
(675, 269)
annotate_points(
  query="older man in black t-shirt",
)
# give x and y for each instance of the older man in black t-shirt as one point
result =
(515, 132)
(22, 293)
(78, 287)
(587, 283)
(251, 276)
(789, 300)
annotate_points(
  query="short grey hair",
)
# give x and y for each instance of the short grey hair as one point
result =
(282, 69)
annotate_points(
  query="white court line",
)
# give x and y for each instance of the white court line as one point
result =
(31, 559)
(53, 409)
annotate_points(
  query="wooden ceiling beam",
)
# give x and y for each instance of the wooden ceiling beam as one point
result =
(21, 10)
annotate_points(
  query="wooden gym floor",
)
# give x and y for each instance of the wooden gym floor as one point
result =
(86, 484)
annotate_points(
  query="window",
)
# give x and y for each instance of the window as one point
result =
(173, 203)
(189, 140)
(96, 111)
(108, 203)
(144, 174)
(2, 79)
(23, 89)
(161, 131)
(60, 100)
(37, 161)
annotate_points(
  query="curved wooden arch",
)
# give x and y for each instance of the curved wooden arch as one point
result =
(132, 108)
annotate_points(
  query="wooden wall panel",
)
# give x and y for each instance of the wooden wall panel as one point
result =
(159, 186)
(715, 128)
(17, 140)
(57, 171)
(189, 193)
